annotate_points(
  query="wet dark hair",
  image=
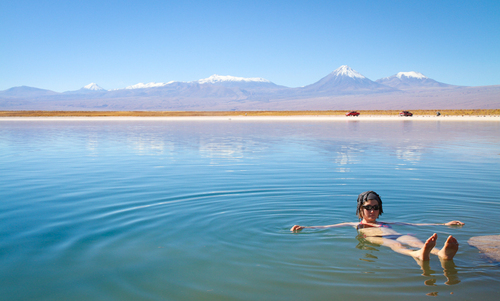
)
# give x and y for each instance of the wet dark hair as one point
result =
(365, 196)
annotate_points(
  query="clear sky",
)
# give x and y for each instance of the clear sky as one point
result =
(65, 45)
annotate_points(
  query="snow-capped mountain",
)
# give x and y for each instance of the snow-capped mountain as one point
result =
(93, 87)
(224, 80)
(345, 80)
(241, 82)
(214, 79)
(410, 80)
(411, 74)
(345, 70)
(148, 85)
(87, 91)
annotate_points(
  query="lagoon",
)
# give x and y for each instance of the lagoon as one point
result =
(189, 210)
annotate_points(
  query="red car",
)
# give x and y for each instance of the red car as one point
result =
(406, 113)
(352, 113)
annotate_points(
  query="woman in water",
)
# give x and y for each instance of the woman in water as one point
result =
(368, 210)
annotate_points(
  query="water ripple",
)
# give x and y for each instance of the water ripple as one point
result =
(203, 210)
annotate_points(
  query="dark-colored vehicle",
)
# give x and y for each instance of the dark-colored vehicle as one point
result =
(352, 113)
(406, 113)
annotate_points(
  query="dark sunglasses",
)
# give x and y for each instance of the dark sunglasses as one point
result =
(370, 207)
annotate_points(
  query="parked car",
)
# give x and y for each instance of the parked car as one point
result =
(406, 113)
(352, 113)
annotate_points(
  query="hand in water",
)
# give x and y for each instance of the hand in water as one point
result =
(296, 228)
(454, 223)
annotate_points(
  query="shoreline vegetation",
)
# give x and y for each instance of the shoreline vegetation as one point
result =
(464, 113)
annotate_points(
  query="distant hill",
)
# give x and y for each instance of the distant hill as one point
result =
(342, 89)
(25, 92)
(410, 80)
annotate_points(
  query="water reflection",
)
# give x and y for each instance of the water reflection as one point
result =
(343, 141)
(150, 145)
(407, 126)
(449, 271)
(353, 126)
(410, 153)
(92, 144)
(233, 150)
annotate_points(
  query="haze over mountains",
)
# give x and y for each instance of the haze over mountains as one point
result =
(343, 89)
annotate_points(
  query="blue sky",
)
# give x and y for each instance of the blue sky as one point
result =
(65, 45)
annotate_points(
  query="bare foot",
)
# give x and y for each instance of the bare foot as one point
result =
(423, 254)
(449, 249)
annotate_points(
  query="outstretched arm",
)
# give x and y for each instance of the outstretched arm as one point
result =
(452, 223)
(297, 228)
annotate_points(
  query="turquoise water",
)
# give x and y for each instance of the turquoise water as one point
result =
(201, 210)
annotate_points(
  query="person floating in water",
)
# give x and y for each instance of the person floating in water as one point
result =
(381, 233)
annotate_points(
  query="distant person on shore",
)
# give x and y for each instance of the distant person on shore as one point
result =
(370, 208)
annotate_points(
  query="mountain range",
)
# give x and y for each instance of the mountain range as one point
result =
(342, 89)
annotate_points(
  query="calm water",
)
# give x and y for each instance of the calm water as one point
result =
(176, 210)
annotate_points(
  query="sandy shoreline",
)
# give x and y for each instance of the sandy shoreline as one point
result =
(261, 118)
